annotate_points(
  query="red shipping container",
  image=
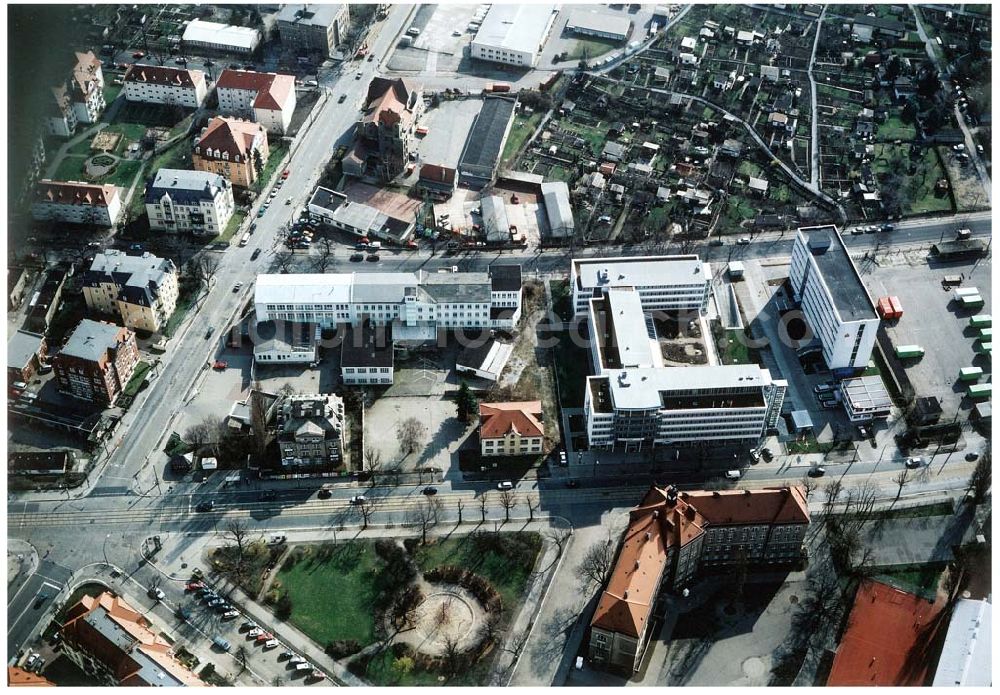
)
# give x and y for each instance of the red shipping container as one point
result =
(884, 308)
(897, 307)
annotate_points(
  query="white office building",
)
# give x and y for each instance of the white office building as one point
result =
(199, 202)
(664, 283)
(634, 402)
(415, 304)
(834, 301)
(513, 34)
(966, 656)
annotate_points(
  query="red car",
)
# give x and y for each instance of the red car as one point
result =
(138, 54)
(264, 637)
(285, 173)
(194, 586)
(220, 365)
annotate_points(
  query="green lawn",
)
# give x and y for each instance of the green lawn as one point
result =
(508, 576)
(277, 152)
(520, 131)
(919, 579)
(916, 188)
(733, 348)
(332, 596)
(895, 129)
(234, 223)
(591, 48)
(809, 445)
(185, 300)
(71, 168)
(381, 673)
(177, 156)
(132, 387)
(111, 92)
(592, 135)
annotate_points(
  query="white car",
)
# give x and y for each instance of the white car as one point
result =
(914, 462)
(358, 499)
(733, 475)
(229, 615)
(271, 644)
(255, 632)
(505, 485)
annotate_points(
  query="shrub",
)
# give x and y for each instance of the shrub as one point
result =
(283, 607)
(343, 648)
(386, 549)
(411, 544)
(403, 664)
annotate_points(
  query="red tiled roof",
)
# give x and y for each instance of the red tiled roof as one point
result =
(161, 74)
(272, 88)
(230, 135)
(19, 677)
(67, 193)
(890, 639)
(499, 419)
(387, 100)
(660, 523)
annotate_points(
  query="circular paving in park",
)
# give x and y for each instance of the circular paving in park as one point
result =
(447, 612)
(100, 165)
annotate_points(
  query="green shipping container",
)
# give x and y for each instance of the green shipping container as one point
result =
(973, 302)
(985, 348)
(970, 373)
(905, 351)
(980, 390)
(986, 333)
(982, 321)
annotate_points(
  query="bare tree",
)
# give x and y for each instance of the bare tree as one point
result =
(203, 268)
(287, 389)
(373, 459)
(832, 492)
(208, 432)
(411, 433)
(366, 509)
(424, 515)
(808, 485)
(452, 655)
(238, 533)
(325, 258)
(284, 260)
(460, 506)
(981, 479)
(901, 479)
(507, 501)
(483, 503)
(532, 506)
(241, 658)
(598, 562)
(258, 420)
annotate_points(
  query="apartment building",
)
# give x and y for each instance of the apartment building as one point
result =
(513, 34)
(220, 38)
(232, 148)
(267, 98)
(96, 362)
(80, 98)
(199, 202)
(160, 84)
(416, 304)
(110, 641)
(312, 28)
(834, 300)
(386, 131)
(61, 120)
(141, 290)
(311, 431)
(78, 203)
(664, 283)
(634, 402)
(511, 429)
(25, 352)
(670, 538)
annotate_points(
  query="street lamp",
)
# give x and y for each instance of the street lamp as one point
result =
(104, 549)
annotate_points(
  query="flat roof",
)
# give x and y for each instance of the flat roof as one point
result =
(201, 31)
(866, 393)
(505, 277)
(645, 388)
(496, 225)
(840, 275)
(91, 340)
(485, 139)
(367, 346)
(520, 27)
(966, 655)
(303, 288)
(642, 271)
(620, 312)
(21, 347)
(359, 216)
(599, 21)
(319, 14)
(327, 199)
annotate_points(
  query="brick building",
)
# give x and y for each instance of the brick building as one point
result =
(97, 362)
(670, 537)
(232, 148)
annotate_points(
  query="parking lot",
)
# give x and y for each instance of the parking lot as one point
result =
(437, 48)
(932, 321)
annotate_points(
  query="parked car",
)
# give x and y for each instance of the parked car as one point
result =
(822, 388)
(278, 540)
(237, 287)
(733, 475)
(206, 506)
(286, 655)
(138, 54)
(324, 494)
(208, 333)
(255, 632)
(505, 485)
(430, 491)
(215, 602)
(357, 257)
(230, 614)
(743, 241)
(373, 258)
(817, 472)
(914, 462)
(358, 499)
(971, 456)
(342, 98)
(194, 586)
(255, 254)
(271, 644)
(248, 625)
(219, 365)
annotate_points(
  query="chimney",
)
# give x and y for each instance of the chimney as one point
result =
(637, 564)
(625, 594)
(648, 535)
(656, 514)
(746, 492)
(715, 493)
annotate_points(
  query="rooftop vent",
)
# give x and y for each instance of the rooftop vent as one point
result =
(648, 535)
(715, 493)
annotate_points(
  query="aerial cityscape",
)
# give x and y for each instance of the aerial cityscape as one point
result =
(499, 345)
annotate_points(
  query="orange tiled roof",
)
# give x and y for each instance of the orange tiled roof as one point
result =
(67, 193)
(890, 639)
(272, 88)
(230, 135)
(499, 419)
(146, 640)
(387, 99)
(19, 677)
(660, 523)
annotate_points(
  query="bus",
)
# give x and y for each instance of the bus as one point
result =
(981, 321)
(970, 373)
(980, 390)
(908, 351)
(245, 240)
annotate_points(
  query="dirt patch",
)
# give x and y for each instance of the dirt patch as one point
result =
(105, 141)
(448, 614)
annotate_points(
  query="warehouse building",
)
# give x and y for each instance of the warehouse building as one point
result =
(558, 209)
(664, 283)
(485, 142)
(833, 298)
(221, 38)
(599, 24)
(513, 34)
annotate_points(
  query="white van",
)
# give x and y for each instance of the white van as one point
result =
(732, 475)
